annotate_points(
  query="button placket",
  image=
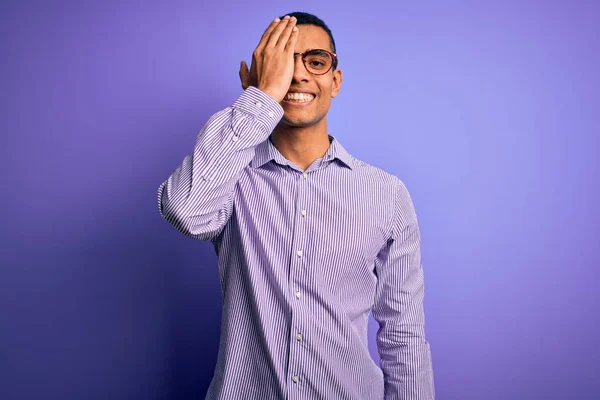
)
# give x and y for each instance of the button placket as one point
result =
(299, 233)
(296, 338)
(299, 226)
(295, 368)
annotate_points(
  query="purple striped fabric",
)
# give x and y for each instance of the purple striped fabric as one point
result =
(304, 257)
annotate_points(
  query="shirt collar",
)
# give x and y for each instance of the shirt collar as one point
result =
(266, 151)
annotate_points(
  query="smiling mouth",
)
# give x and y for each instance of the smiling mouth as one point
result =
(299, 98)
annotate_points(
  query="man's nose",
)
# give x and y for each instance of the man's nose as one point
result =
(300, 72)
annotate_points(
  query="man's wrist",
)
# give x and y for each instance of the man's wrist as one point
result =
(271, 93)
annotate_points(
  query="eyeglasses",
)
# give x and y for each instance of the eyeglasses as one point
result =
(318, 61)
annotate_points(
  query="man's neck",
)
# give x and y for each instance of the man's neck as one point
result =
(302, 146)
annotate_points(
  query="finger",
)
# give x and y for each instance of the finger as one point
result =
(291, 43)
(285, 35)
(272, 42)
(267, 33)
(244, 75)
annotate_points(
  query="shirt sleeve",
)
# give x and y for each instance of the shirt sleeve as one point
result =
(197, 198)
(404, 352)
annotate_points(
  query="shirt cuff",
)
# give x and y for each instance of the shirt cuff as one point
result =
(260, 105)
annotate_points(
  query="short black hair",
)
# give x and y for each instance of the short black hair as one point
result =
(303, 18)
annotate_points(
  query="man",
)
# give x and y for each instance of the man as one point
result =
(309, 239)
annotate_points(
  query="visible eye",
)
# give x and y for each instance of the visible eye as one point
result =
(318, 62)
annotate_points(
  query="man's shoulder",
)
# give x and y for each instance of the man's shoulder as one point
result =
(377, 175)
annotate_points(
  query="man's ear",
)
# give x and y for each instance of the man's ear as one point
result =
(337, 82)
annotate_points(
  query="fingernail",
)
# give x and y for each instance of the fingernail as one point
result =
(277, 19)
(295, 29)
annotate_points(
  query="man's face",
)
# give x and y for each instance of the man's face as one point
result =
(323, 87)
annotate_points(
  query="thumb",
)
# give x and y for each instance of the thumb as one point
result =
(244, 74)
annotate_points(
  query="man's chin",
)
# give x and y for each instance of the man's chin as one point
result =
(296, 122)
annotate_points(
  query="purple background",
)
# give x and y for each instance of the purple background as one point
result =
(487, 110)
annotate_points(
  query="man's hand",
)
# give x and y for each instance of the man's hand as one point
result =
(272, 67)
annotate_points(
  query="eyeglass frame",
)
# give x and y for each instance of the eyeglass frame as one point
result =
(334, 60)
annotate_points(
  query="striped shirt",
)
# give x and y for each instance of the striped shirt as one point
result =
(303, 258)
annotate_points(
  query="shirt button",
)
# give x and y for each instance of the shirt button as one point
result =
(298, 295)
(235, 138)
(271, 114)
(305, 175)
(258, 104)
(295, 378)
(299, 336)
(303, 213)
(299, 252)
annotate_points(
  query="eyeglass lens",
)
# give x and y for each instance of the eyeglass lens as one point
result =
(318, 61)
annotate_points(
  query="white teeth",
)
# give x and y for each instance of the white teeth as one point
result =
(300, 97)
